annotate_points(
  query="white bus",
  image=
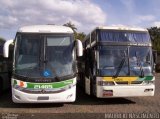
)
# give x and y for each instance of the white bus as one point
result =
(118, 62)
(44, 64)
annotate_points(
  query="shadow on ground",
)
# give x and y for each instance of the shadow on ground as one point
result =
(81, 99)
(84, 99)
(6, 102)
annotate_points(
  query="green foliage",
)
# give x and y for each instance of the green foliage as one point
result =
(80, 36)
(77, 35)
(155, 37)
(2, 40)
(72, 26)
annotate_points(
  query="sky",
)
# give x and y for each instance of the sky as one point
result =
(85, 14)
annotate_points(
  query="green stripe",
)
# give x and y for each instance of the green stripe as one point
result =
(145, 78)
(50, 85)
(14, 82)
(149, 78)
(46, 85)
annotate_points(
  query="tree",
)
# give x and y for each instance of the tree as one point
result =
(80, 36)
(155, 37)
(2, 40)
(77, 35)
(72, 26)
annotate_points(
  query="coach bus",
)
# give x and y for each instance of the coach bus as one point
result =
(118, 62)
(44, 64)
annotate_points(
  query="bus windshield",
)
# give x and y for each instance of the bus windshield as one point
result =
(126, 60)
(44, 56)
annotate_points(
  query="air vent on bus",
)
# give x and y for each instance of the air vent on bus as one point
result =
(127, 82)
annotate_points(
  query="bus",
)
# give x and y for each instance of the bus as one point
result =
(5, 70)
(117, 62)
(44, 64)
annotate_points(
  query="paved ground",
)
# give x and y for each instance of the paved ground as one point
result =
(84, 107)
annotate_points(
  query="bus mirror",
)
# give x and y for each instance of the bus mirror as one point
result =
(79, 48)
(6, 48)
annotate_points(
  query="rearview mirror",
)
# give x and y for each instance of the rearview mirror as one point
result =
(6, 48)
(79, 48)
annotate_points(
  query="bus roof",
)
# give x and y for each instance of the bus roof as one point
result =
(121, 28)
(118, 28)
(45, 29)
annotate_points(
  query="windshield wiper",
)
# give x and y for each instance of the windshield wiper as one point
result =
(120, 66)
(140, 65)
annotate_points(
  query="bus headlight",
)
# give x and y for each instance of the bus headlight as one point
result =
(106, 83)
(18, 87)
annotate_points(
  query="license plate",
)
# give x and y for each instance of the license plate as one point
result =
(107, 93)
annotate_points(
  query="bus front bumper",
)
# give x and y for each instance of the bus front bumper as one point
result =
(125, 91)
(65, 96)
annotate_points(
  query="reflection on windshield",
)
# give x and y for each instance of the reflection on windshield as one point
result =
(28, 53)
(110, 58)
(35, 55)
(140, 57)
(59, 55)
(124, 36)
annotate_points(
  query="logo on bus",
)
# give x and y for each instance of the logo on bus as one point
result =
(46, 73)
